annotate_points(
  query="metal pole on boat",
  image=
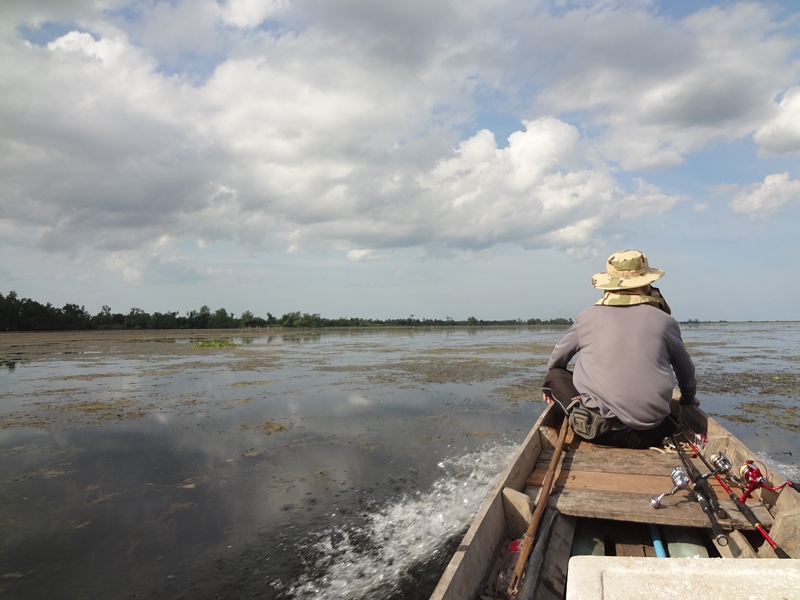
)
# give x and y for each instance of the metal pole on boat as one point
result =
(530, 535)
(743, 508)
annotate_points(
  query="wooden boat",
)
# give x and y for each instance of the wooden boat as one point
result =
(599, 519)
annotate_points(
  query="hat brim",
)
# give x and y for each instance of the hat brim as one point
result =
(603, 281)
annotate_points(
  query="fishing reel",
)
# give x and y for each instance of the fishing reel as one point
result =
(751, 478)
(681, 481)
(750, 474)
(721, 464)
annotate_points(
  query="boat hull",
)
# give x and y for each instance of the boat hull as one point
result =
(606, 491)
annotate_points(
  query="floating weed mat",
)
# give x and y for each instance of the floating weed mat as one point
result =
(95, 407)
(214, 344)
(259, 363)
(97, 413)
(438, 369)
(428, 372)
(86, 412)
(752, 382)
(447, 371)
(769, 413)
(480, 349)
(89, 376)
(247, 383)
(526, 389)
(269, 427)
(272, 427)
(480, 433)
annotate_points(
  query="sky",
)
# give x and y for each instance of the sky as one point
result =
(355, 158)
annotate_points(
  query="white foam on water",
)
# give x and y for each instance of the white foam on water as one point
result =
(407, 532)
(786, 470)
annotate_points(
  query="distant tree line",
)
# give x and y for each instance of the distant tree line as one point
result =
(24, 314)
(698, 322)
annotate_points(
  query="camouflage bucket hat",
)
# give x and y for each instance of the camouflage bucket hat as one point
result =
(625, 270)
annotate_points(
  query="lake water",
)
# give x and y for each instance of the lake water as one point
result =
(337, 465)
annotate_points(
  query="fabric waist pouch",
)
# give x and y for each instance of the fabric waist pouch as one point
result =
(590, 424)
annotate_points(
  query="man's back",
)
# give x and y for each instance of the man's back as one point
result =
(625, 363)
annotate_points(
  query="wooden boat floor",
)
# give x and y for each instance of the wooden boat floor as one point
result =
(617, 484)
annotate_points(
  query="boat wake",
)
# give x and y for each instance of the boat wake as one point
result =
(786, 469)
(389, 553)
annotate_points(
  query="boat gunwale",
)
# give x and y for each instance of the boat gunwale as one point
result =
(467, 565)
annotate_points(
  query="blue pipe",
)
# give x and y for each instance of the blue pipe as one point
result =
(658, 544)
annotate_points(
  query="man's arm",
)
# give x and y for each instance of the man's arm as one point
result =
(562, 353)
(683, 366)
(565, 349)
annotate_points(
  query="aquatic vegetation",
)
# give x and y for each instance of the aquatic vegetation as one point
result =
(524, 389)
(271, 427)
(495, 348)
(214, 344)
(764, 383)
(248, 383)
(770, 412)
(485, 434)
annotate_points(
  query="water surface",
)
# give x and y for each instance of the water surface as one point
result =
(327, 465)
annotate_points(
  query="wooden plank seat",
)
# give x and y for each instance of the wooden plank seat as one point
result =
(617, 484)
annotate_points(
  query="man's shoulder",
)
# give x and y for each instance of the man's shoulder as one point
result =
(588, 312)
(632, 311)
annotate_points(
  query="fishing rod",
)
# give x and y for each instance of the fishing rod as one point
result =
(699, 480)
(723, 465)
(699, 492)
(682, 482)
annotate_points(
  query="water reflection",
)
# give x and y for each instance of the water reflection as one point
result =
(136, 466)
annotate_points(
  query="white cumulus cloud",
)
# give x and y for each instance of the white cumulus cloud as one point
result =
(781, 134)
(760, 200)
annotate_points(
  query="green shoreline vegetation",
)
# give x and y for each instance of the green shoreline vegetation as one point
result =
(24, 314)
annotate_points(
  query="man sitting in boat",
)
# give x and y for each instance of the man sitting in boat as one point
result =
(621, 389)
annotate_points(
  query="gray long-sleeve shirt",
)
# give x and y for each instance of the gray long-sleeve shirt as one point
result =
(626, 362)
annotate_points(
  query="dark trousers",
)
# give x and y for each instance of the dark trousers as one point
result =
(558, 385)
